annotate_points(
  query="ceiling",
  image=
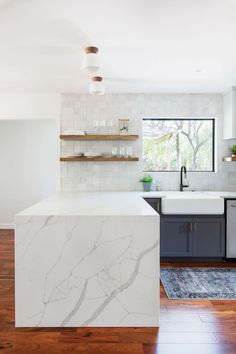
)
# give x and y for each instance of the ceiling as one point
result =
(145, 45)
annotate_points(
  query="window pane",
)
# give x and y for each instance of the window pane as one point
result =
(169, 144)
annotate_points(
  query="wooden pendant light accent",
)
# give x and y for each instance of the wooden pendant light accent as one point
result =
(96, 78)
(90, 50)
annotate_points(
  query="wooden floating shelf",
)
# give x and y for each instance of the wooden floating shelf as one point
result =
(98, 137)
(90, 159)
(229, 158)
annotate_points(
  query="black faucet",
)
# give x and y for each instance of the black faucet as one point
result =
(182, 186)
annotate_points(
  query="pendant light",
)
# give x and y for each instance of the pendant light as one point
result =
(96, 86)
(91, 60)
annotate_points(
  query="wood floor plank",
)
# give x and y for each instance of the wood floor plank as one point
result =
(21, 337)
(227, 305)
(67, 348)
(111, 335)
(189, 349)
(163, 309)
(187, 338)
(179, 317)
(227, 338)
(180, 305)
(186, 327)
(223, 316)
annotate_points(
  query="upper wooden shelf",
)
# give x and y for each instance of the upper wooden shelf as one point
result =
(99, 137)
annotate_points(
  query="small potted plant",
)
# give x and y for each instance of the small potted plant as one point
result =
(147, 182)
(233, 150)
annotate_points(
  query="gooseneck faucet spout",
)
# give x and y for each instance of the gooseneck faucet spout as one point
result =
(182, 185)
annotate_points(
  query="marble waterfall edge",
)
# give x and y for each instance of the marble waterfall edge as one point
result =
(81, 270)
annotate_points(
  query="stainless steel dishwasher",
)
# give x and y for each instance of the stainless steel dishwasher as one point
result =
(231, 229)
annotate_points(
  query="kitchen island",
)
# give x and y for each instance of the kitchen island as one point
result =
(87, 259)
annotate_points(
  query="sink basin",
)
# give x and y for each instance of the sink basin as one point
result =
(192, 204)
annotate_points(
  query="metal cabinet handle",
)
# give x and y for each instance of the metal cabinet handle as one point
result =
(189, 226)
(188, 243)
(233, 206)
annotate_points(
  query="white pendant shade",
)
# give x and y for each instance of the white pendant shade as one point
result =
(96, 86)
(91, 61)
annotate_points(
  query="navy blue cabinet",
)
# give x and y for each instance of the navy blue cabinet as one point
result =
(192, 236)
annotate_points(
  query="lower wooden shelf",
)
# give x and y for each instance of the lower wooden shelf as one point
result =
(90, 159)
(99, 137)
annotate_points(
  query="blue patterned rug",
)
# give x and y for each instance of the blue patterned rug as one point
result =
(199, 283)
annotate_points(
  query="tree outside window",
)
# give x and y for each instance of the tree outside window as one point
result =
(170, 143)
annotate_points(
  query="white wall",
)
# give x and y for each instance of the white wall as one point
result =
(30, 106)
(23, 110)
(80, 112)
(28, 164)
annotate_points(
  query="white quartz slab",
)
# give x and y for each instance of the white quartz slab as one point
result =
(111, 203)
(224, 194)
(99, 267)
(161, 194)
(94, 203)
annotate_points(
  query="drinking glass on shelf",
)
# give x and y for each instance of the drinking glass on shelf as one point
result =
(102, 125)
(114, 151)
(96, 126)
(109, 126)
(128, 151)
(122, 151)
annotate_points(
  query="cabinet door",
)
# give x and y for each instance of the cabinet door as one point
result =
(208, 237)
(155, 203)
(176, 238)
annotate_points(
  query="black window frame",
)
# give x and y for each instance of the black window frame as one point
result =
(187, 119)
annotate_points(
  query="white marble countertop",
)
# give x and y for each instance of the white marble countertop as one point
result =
(110, 203)
(186, 194)
(92, 203)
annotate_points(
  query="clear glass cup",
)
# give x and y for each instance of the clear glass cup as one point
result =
(109, 124)
(96, 126)
(128, 151)
(114, 151)
(102, 126)
(122, 151)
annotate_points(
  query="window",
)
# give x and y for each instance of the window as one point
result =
(170, 143)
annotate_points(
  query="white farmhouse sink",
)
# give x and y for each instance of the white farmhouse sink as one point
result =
(192, 203)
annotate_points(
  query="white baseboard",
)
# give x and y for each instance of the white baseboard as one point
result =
(7, 226)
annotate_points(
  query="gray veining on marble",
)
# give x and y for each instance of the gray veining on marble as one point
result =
(87, 270)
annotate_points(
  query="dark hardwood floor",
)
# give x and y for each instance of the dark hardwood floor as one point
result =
(187, 327)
